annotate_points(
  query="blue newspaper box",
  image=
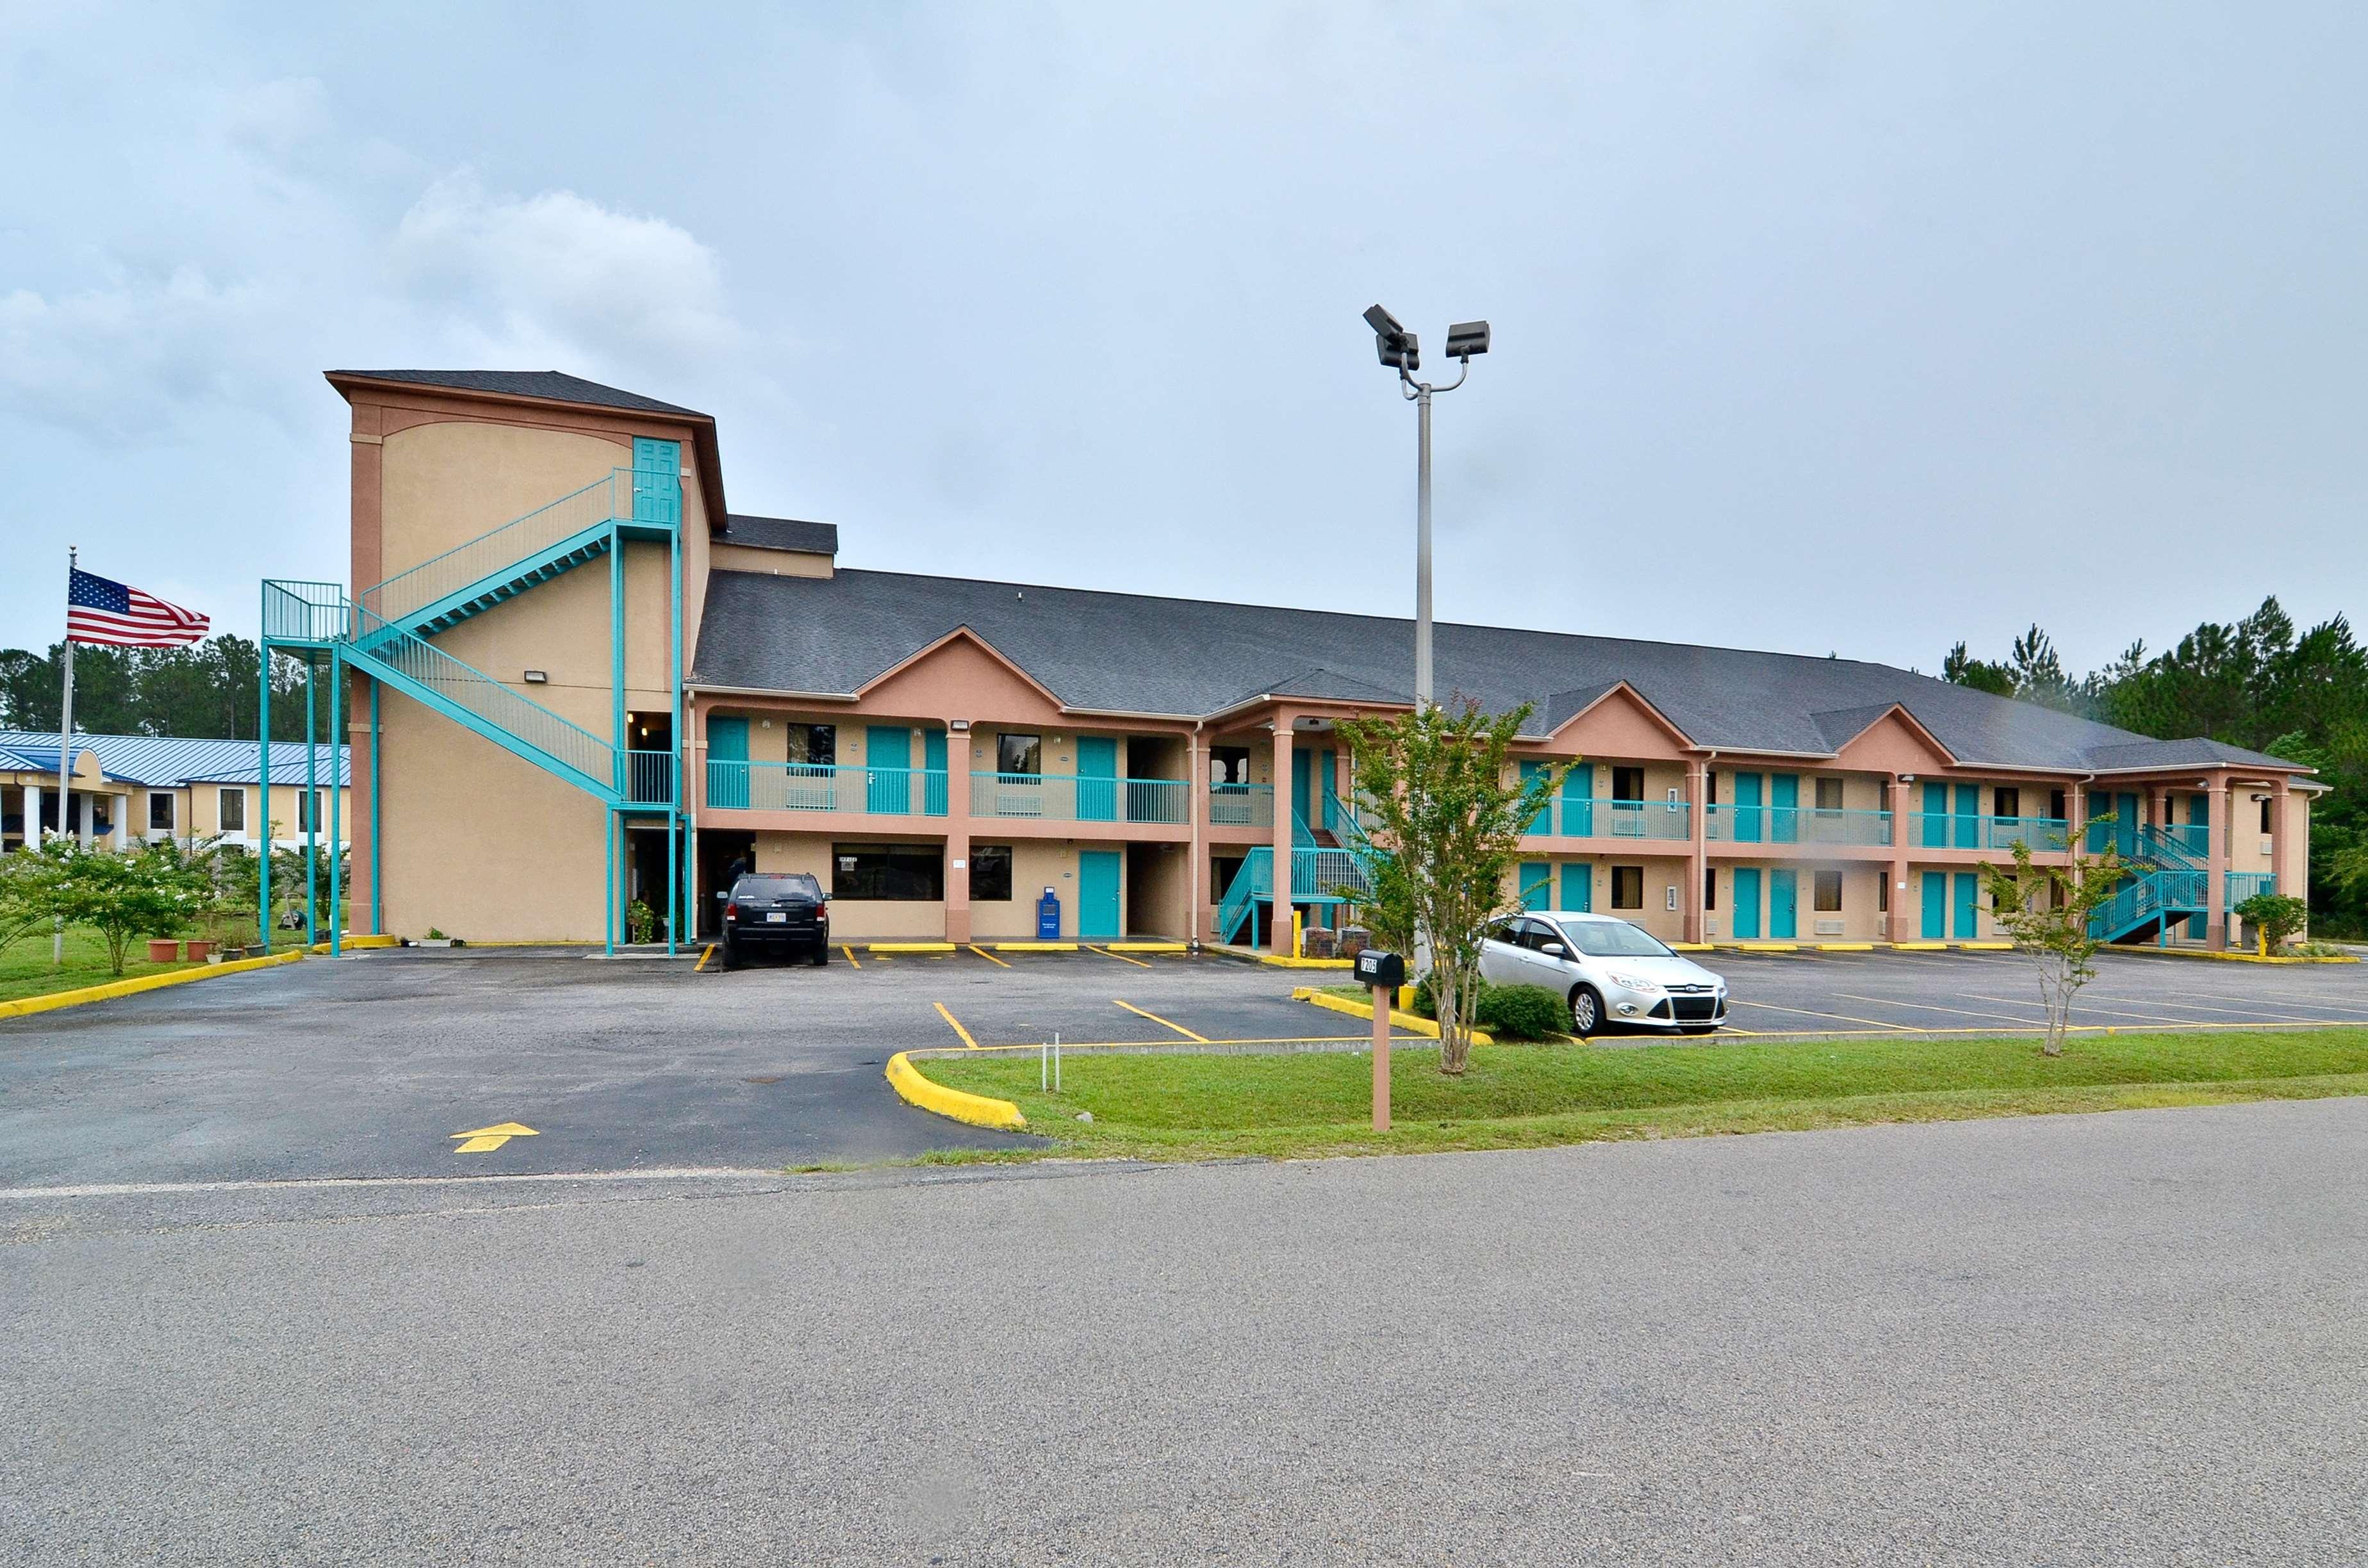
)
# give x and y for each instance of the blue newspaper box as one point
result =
(1048, 916)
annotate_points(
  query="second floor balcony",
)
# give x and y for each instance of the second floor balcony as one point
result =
(1570, 816)
(1796, 825)
(825, 787)
(1071, 796)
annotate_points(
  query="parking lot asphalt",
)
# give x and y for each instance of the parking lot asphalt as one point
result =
(377, 1065)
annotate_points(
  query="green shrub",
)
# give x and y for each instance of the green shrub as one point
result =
(1522, 1012)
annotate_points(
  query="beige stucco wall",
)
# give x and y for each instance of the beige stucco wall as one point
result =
(768, 562)
(1165, 875)
(1862, 917)
(852, 919)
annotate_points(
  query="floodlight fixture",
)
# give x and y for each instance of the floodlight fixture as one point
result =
(1466, 338)
(1398, 347)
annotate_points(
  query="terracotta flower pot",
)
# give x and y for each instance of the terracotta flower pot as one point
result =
(163, 950)
(201, 951)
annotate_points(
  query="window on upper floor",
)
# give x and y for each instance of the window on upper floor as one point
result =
(1829, 794)
(1019, 753)
(1829, 892)
(1229, 765)
(2056, 804)
(1628, 784)
(2005, 800)
(814, 743)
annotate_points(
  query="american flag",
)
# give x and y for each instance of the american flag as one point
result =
(100, 610)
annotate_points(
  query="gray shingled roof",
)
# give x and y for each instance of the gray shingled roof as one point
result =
(780, 533)
(556, 385)
(1137, 654)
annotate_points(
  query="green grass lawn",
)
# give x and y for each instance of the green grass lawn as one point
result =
(25, 969)
(1193, 1107)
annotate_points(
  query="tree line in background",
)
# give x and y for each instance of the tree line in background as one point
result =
(208, 691)
(2255, 683)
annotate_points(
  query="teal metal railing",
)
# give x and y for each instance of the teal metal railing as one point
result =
(1957, 830)
(645, 777)
(2149, 898)
(1069, 797)
(1241, 805)
(2169, 849)
(1627, 819)
(2242, 886)
(825, 787)
(1796, 825)
(493, 563)
(1317, 876)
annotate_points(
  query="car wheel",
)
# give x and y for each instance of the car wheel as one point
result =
(1586, 1011)
(822, 954)
(730, 956)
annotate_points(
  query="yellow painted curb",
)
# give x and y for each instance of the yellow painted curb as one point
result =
(352, 942)
(1919, 947)
(1411, 1022)
(1035, 947)
(468, 942)
(976, 1110)
(1986, 947)
(1766, 946)
(2233, 956)
(1281, 961)
(1845, 947)
(28, 1005)
(908, 947)
(1146, 946)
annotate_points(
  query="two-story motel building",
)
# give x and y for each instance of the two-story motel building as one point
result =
(576, 678)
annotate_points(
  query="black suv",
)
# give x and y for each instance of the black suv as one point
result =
(783, 911)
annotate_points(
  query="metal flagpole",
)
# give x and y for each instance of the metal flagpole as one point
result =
(65, 755)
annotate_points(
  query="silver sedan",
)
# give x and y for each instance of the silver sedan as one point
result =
(1609, 971)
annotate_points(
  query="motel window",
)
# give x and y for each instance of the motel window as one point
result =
(307, 811)
(814, 743)
(1829, 892)
(1020, 754)
(2266, 805)
(1627, 887)
(1628, 784)
(1710, 888)
(232, 811)
(2005, 801)
(160, 812)
(1709, 786)
(990, 873)
(888, 872)
(1229, 765)
(1829, 794)
(2056, 804)
(1882, 892)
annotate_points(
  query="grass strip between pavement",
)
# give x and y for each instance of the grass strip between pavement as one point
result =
(1158, 1105)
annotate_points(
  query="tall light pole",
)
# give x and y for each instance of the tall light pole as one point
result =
(1403, 352)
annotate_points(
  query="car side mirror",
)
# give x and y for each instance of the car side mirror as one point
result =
(1555, 950)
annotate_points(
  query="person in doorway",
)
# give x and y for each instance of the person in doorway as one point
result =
(741, 866)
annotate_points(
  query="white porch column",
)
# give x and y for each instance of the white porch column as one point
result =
(121, 836)
(82, 816)
(32, 816)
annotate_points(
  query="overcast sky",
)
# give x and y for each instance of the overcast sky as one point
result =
(1818, 328)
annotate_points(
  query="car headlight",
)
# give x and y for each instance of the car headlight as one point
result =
(1630, 982)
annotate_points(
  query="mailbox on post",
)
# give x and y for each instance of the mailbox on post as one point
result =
(1384, 973)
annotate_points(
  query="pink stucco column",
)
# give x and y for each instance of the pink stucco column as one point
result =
(1199, 914)
(1278, 936)
(1697, 847)
(2278, 802)
(1902, 922)
(958, 835)
(2215, 868)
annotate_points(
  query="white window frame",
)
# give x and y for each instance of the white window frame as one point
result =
(222, 793)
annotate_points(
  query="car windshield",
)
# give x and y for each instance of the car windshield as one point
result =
(1612, 940)
(776, 887)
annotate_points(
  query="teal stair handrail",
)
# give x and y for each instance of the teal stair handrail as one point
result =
(486, 558)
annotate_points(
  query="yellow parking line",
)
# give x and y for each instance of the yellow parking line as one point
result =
(1120, 957)
(703, 958)
(1813, 1013)
(957, 1025)
(850, 955)
(988, 957)
(1164, 1023)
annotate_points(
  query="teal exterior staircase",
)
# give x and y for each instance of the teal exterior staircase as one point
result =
(385, 632)
(1318, 870)
(2167, 883)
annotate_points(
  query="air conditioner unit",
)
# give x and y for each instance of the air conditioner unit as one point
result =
(1829, 927)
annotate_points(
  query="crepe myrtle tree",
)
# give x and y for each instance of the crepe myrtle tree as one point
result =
(2275, 919)
(2046, 910)
(1445, 807)
(153, 891)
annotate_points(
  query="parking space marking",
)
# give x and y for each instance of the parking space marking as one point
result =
(1120, 957)
(2088, 1008)
(702, 964)
(485, 1139)
(850, 955)
(1813, 1013)
(957, 1025)
(1164, 1023)
(1936, 1007)
(2296, 1009)
(988, 957)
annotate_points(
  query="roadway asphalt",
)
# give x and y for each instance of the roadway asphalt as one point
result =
(369, 1066)
(2129, 1339)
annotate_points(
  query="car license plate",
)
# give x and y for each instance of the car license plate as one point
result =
(777, 918)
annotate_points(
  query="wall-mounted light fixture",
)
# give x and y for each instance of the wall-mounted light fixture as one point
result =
(538, 678)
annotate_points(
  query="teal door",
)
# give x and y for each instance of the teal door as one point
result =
(1783, 904)
(1097, 779)
(1098, 916)
(1784, 812)
(2197, 834)
(1935, 818)
(1578, 805)
(888, 764)
(1747, 820)
(1537, 883)
(657, 481)
(1331, 780)
(1299, 786)
(1747, 904)
(1543, 823)
(727, 763)
(1969, 817)
(933, 779)
(2126, 825)
(1964, 907)
(1577, 887)
(1936, 905)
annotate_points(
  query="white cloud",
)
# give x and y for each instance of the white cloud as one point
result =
(561, 279)
(119, 362)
